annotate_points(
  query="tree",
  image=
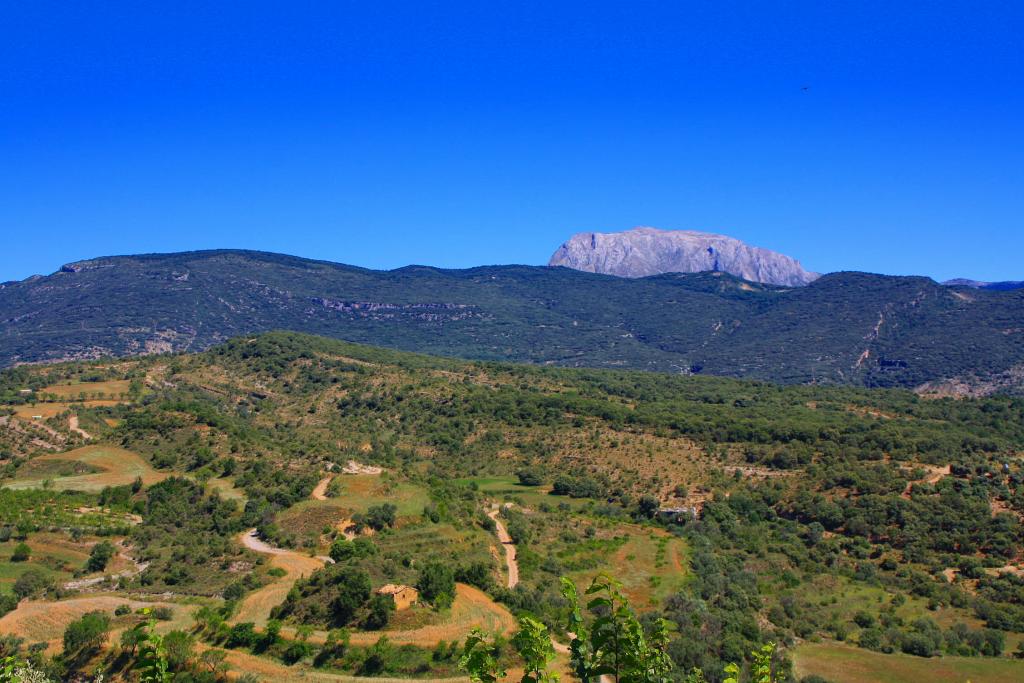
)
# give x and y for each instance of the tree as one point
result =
(615, 643)
(100, 556)
(649, 506)
(353, 590)
(533, 643)
(760, 669)
(342, 549)
(379, 516)
(214, 660)
(179, 648)
(436, 584)
(381, 607)
(31, 582)
(86, 634)
(21, 553)
(131, 638)
(529, 476)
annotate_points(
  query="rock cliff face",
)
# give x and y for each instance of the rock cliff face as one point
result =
(648, 251)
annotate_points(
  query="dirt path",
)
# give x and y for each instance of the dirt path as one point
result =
(73, 426)
(320, 492)
(81, 584)
(935, 474)
(257, 605)
(510, 549)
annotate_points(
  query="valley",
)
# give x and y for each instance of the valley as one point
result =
(258, 497)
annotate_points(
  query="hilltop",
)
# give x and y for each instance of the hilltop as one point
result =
(843, 328)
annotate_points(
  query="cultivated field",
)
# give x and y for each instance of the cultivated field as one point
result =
(47, 410)
(117, 467)
(846, 664)
(117, 388)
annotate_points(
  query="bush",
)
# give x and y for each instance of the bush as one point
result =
(242, 635)
(917, 644)
(179, 648)
(529, 476)
(7, 603)
(163, 613)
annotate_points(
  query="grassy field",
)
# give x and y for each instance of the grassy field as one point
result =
(307, 519)
(846, 664)
(507, 489)
(117, 388)
(842, 598)
(226, 489)
(48, 410)
(271, 670)
(651, 565)
(116, 466)
(43, 621)
(257, 605)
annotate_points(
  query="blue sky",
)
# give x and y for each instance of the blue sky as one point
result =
(459, 134)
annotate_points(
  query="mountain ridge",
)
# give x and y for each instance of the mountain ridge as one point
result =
(844, 328)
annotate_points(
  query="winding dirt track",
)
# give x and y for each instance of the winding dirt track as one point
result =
(257, 605)
(510, 549)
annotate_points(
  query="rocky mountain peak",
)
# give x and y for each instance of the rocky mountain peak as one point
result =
(645, 251)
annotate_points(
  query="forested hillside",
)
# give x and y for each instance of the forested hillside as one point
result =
(743, 512)
(845, 328)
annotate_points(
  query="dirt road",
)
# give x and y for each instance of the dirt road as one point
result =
(510, 548)
(73, 426)
(320, 492)
(257, 605)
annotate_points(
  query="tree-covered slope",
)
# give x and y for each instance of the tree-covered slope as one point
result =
(844, 328)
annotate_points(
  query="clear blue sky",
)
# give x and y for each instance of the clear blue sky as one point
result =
(459, 134)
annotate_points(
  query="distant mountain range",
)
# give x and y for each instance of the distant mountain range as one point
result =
(994, 286)
(843, 328)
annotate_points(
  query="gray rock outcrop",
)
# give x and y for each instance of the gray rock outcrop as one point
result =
(645, 251)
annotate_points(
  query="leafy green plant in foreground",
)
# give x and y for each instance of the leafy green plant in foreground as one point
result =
(612, 645)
